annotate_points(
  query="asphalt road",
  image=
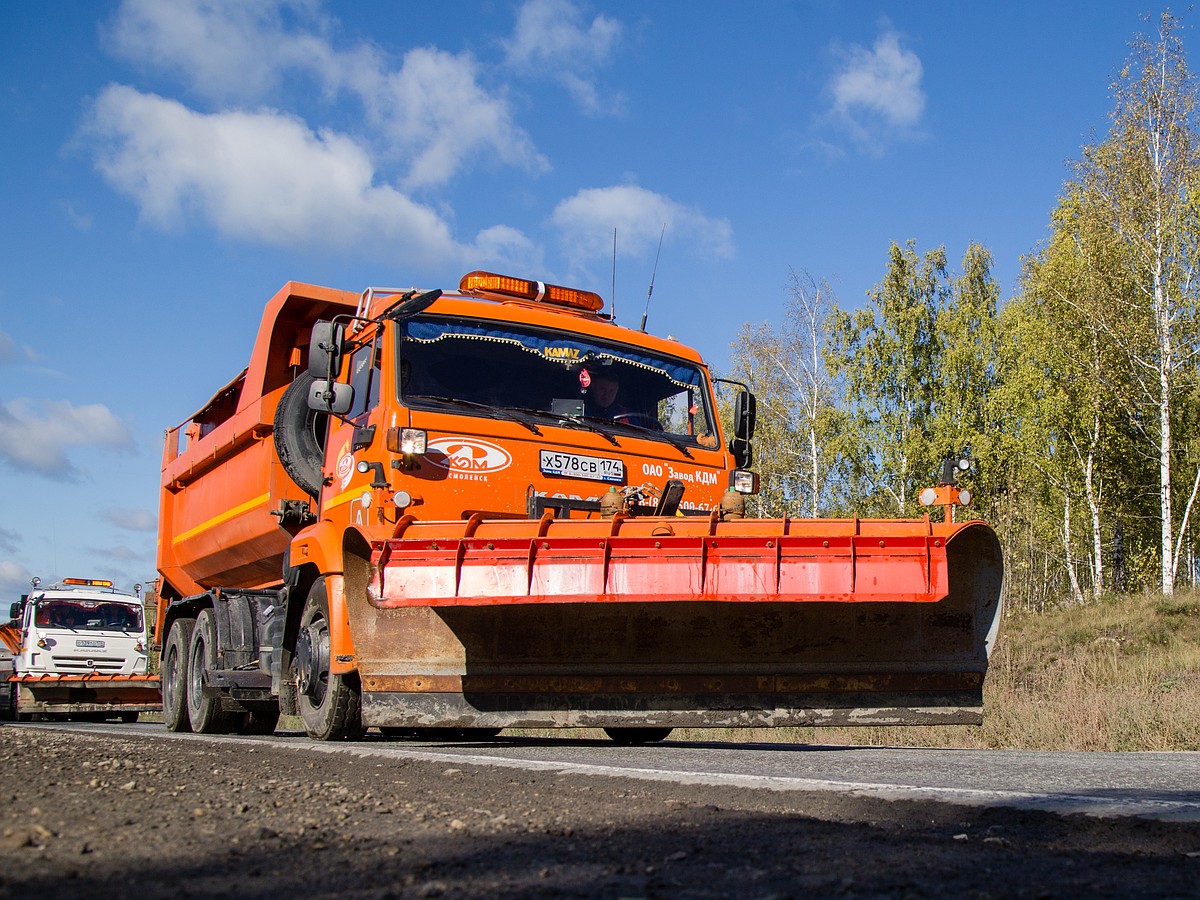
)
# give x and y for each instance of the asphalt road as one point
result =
(1160, 786)
(111, 811)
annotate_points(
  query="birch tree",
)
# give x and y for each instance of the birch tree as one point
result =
(1141, 183)
(785, 368)
(888, 355)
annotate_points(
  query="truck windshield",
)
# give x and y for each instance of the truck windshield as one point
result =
(476, 367)
(88, 615)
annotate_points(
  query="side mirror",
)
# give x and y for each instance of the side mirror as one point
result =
(15, 611)
(325, 349)
(330, 397)
(745, 413)
(743, 452)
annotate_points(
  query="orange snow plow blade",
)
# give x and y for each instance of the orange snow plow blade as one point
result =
(675, 621)
(647, 560)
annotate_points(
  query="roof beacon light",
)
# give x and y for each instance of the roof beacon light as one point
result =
(530, 290)
(88, 582)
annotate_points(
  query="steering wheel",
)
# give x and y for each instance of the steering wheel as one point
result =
(644, 420)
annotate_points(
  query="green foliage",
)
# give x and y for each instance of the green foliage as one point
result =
(1079, 398)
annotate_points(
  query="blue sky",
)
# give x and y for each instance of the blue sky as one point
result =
(167, 166)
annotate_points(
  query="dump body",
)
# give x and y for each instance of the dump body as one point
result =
(80, 650)
(504, 510)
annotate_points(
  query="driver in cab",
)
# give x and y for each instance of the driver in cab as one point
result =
(602, 395)
(604, 399)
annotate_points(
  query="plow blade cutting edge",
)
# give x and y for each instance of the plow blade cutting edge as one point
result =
(673, 621)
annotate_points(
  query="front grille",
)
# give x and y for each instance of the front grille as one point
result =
(74, 664)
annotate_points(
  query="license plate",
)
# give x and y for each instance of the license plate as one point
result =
(575, 465)
(99, 645)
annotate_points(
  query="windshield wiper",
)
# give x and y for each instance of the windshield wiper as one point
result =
(507, 413)
(652, 433)
(584, 423)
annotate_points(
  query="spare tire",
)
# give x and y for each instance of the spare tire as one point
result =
(300, 436)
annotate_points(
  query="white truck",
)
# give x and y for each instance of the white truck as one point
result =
(80, 651)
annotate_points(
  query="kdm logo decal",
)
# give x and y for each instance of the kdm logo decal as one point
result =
(464, 456)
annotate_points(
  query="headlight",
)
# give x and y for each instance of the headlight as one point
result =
(408, 441)
(743, 481)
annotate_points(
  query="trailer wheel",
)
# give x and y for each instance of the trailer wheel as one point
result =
(259, 723)
(174, 675)
(330, 705)
(204, 712)
(300, 435)
(456, 734)
(627, 737)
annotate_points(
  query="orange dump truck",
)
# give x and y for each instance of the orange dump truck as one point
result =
(496, 508)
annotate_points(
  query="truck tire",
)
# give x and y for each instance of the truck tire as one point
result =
(627, 737)
(205, 713)
(455, 734)
(329, 704)
(174, 670)
(300, 436)
(258, 722)
(15, 709)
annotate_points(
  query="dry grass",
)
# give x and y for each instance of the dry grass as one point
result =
(1119, 674)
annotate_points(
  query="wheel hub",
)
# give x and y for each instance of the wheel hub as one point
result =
(311, 666)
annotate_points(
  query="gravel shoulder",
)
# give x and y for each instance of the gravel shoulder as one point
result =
(104, 816)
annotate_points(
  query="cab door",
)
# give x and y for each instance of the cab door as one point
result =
(347, 495)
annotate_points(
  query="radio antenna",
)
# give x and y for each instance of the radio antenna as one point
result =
(653, 272)
(614, 277)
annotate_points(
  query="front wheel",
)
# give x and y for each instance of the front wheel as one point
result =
(329, 704)
(14, 709)
(630, 736)
(174, 675)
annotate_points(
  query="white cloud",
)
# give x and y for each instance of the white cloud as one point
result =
(586, 221)
(35, 435)
(879, 88)
(123, 554)
(14, 581)
(8, 541)
(132, 519)
(552, 37)
(430, 115)
(434, 112)
(12, 352)
(262, 176)
(223, 48)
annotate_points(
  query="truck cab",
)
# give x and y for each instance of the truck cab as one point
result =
(494, 403)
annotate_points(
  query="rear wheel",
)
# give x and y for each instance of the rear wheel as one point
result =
(329, 704)
(205, 713)
(129, 717)
(631, 736)
(174, 675)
